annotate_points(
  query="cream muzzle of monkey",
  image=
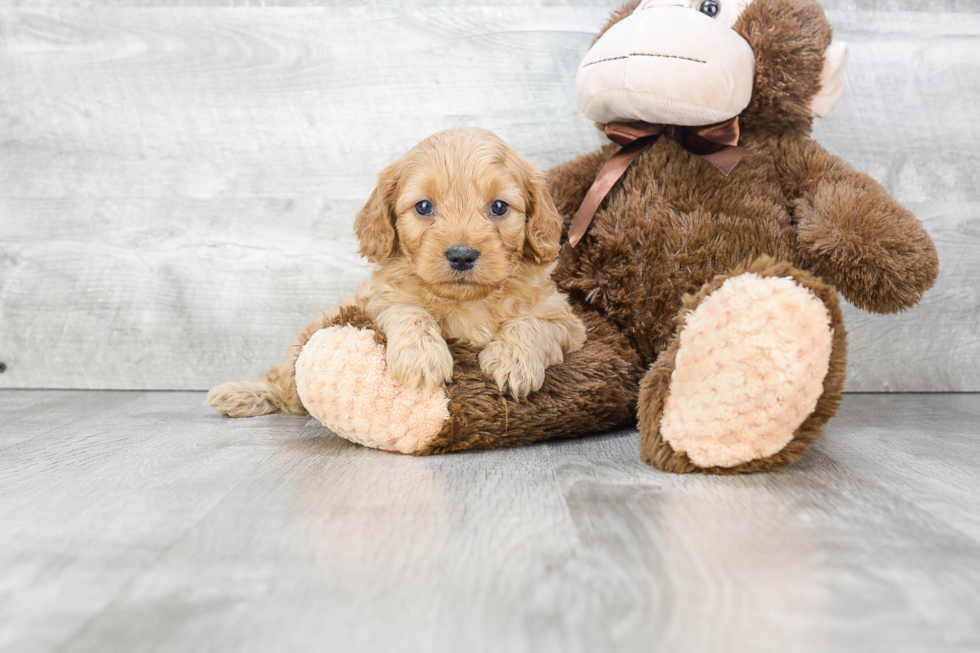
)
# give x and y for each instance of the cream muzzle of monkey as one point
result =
(669, 64)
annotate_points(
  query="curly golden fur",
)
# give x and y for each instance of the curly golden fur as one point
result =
(505, 304)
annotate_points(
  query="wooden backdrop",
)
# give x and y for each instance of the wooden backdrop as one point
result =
(178, 179)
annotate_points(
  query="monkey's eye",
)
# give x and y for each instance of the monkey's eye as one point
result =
(710, 8)
(424, 208)
(498, 208)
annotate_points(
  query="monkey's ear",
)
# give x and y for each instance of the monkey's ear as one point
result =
(374, 225)
(831, 80)
(542, 231)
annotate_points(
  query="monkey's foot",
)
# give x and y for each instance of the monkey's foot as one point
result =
(744, 374)
(342, 379)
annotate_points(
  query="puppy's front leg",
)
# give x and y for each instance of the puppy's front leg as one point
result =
(417, 354)
(517, 357)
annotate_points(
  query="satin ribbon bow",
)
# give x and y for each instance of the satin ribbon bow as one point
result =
(717, 144)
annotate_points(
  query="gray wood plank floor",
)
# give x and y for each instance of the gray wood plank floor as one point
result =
(141, 521)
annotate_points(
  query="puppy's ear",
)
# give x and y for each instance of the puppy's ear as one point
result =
(374, 225)
(542, 233)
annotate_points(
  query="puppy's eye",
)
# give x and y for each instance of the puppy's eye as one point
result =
(424, 208)
(710, 8)
(499, 208)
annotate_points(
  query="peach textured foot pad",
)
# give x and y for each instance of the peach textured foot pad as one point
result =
(342, 379)
(750, 368)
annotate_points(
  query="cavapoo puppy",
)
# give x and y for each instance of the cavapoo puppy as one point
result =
(462, 233)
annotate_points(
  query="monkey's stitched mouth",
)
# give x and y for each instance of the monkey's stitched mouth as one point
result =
(646, 54)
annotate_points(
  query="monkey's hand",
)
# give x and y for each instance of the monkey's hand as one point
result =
(857, 237)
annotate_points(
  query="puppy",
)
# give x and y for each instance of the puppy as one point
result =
(462, 233)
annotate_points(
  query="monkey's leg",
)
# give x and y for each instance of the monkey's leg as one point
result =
(754, 371)
(343, 382)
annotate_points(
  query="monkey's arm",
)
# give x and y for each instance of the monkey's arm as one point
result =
(853, 233)
(570, 181)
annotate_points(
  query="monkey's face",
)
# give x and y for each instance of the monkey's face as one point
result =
(698, 62)
(677, 62)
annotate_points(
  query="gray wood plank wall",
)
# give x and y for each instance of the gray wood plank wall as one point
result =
(178, 179)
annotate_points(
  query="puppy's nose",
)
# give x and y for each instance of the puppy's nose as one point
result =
(462, 257)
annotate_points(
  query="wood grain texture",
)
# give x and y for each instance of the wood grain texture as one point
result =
(179, 182)
(138, 522)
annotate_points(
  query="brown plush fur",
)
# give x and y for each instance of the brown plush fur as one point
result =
(592, 391)
(789, 38)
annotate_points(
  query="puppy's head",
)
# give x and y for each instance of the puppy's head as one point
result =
(464, 211)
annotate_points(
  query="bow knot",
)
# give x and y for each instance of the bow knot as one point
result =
(717, 144)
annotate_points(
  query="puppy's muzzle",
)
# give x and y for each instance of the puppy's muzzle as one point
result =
(462, 257)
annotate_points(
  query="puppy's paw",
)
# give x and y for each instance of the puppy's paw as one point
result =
(421, 364)
(243, 398)
(513, 369)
